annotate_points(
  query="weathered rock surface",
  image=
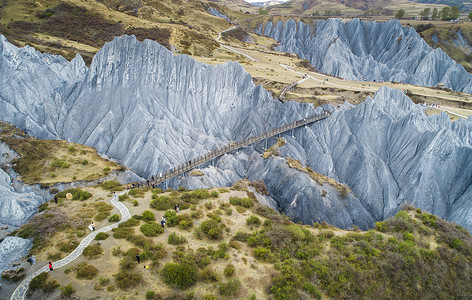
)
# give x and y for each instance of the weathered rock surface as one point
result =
(360, 50)
(140, 104)
(16, 206)
(12, 249)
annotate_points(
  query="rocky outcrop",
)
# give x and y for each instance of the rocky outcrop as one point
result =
(360, 50)
(12, 249)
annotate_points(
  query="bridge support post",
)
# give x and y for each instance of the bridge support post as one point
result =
(265, 143)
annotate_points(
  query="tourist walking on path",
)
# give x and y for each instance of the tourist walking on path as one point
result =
(50, 266)
(33, 260)
(163, 223)
(55, 199)
(138, 258)
(175, 207)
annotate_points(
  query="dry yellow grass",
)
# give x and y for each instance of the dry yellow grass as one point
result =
(52, 161)
(273, 150)
(319, 178)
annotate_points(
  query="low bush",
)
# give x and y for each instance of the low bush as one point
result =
(161, 203)
(129, 223)
(253, 220)
(182, 275)
(122, 232)
(212, 229)
(92, 251)
(151, 229)
(136, 193)
(77, 194)
(114, 218)
(174, 239)
(148, 216)
(86, 271)
(229, 270)
(230, 288)
(123, 197)
(244, 202)
(102, 216)
(111, 185)
(42, 282)
(208, 274)
(150, 295)
(101, 236)
(126, 279)
(67, 290)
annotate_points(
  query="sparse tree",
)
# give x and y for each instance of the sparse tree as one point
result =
(470, 15)
(444, 13)
(455, 12)
(328, 13)
(435, 14)
(400, 14)
(425, 13)
(263, 11)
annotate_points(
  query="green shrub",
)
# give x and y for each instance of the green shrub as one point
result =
(201, 194)
(212, 229)
(208, 274)
(312, 290)
(92, 251)
(67, 246)
(161, 203)
(86, 271)
(150, 295)
(136, 193)
(262, 253)
(381, 226)
(103, 281)
(84, 162)
(151, 229)
(135, 203)
(209, 297)
(101, 236)
(230, 288)
(102, 216)
(181, 275)
(42, 283)
(174, 239)
(77, 194)
(126, 279)
(244, 202)
(129, 223)
(229, 270)
(123, 197)
(67, 290)
(111, 185)
(114, 218)
(214, 194)
(253, 220)
(59, 163)
(148, 216)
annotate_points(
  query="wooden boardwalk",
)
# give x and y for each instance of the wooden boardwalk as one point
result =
(183, 168)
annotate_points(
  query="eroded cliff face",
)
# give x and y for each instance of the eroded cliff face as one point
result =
(370, 51)
(140, 104)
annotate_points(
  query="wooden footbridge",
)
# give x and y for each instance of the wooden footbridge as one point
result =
(190, 165)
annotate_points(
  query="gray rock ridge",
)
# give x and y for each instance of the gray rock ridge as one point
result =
(12, 249)
(140, 104)
(386, 149)
(360, 50)
(218, 14)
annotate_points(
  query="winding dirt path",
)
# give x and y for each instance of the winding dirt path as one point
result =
(22, 288)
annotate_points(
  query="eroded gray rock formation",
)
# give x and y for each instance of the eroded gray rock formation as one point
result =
(360, 50)
(12, 249)
(140, 104)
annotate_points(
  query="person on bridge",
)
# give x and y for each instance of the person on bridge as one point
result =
(50, 266)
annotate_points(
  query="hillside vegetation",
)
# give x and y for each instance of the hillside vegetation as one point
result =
(52, 161)
(224, 245)
(68, 27)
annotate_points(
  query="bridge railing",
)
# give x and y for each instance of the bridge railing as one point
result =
(199, 160)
